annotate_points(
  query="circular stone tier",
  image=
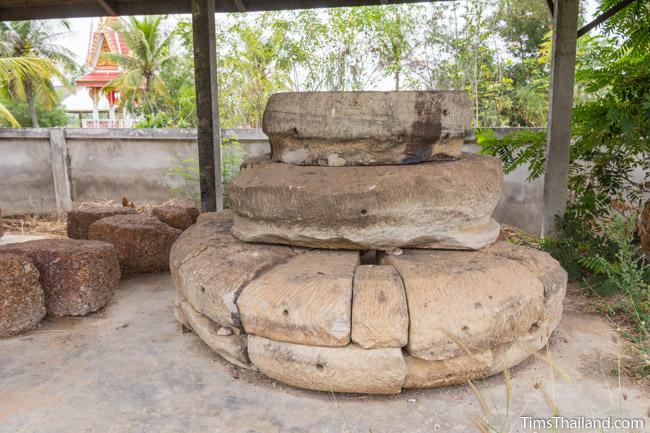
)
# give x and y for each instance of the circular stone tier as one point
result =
(319, 319)
(366, 128)
(445, 204)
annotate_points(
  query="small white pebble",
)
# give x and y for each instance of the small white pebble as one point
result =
(224, 332)
(411, 400)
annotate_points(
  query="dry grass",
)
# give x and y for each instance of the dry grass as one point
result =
(52, 226)
(518, 237)
(35, 225)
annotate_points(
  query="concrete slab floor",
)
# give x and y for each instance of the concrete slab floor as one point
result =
(10, 238)
(128, 368)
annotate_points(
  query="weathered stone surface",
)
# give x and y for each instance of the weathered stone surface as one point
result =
(429, 205)
(366, 128)
(508, 355)
(210, 267)
(79, 220)
(22, 303)
(180, 216)
(545, 268)
(330, 369)
(644, 226)
(462, 302)
(379, 312)
(142, 242)
(306, 300)
(77, 276)
(210, 228)
(461, 315)
(452, 371)
(231, 347)
(431, 374)
(2, 229)
(255, 161)
(210, 215)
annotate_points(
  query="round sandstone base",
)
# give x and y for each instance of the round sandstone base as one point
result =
(321, 320)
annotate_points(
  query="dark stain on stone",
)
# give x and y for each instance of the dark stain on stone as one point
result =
(425, 131)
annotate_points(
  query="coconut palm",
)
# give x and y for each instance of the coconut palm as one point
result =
(20, 70)
(148, 53)
(36, 39)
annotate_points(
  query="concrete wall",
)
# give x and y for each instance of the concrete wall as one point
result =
(26, 171)
(107, 164)
(132, 163)
(521, 201)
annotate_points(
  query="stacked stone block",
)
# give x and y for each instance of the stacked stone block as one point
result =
(278, 285)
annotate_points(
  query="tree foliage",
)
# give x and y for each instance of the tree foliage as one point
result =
(611, 121)
(490, 49)
(33, 83)
(141, 85)
(16, 70)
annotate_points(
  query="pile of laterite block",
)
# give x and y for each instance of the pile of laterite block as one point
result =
(78, 275)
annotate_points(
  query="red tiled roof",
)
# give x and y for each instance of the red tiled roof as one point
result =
(97, 78)
(116, 41)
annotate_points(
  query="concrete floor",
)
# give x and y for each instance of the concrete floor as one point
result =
(11, 238)
(128, 368)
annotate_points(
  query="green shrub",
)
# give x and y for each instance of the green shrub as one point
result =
(47, 117)
(627, 273)
(187, 169)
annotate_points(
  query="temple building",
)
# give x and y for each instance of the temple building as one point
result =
(107, 112)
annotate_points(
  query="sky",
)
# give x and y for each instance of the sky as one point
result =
(77, 39)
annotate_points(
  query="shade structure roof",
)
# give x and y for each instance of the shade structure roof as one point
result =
(42, 9)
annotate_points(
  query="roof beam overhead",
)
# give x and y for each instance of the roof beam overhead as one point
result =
(47, 9)
(239, 4)
(109, 7)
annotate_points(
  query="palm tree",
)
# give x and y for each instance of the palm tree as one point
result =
(149, 52)
(22, 69)
(37, 39)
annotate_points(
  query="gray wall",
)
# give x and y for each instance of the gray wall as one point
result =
(131, 163)
(25, 171)
(521, 201)
(107, 164)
